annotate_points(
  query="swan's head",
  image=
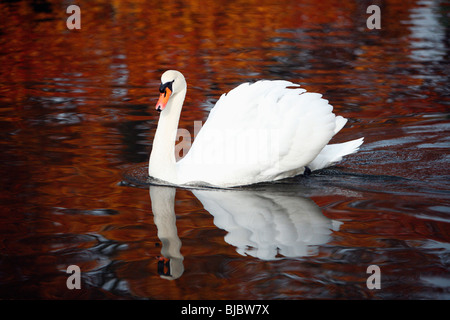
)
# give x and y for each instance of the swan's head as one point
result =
(170, 269)
(172, 82)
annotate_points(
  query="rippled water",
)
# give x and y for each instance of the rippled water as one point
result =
(77, 124)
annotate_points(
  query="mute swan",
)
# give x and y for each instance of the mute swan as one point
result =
(265, 131)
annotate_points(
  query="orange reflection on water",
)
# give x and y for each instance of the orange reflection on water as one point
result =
(77, 110)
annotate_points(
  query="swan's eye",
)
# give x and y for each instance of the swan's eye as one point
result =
(164, 86)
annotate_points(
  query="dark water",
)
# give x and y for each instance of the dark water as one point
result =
(77, 124)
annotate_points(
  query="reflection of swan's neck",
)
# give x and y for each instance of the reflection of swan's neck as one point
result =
(162, 158)
(163, 201)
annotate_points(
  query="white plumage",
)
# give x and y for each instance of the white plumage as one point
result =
(264, 131)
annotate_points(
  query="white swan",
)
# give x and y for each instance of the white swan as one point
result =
(265, 131)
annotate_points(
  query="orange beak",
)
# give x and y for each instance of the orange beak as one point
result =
(163, 266)
(163, 99)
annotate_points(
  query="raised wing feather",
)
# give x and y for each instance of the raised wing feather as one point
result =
(263, 131)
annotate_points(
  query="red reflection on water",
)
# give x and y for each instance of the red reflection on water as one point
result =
(76, 110)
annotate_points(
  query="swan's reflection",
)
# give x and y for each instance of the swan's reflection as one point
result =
(264, 224)
(170, 265)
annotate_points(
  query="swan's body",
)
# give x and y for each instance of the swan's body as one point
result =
(265, 131)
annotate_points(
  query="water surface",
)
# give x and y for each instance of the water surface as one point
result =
(77, 124)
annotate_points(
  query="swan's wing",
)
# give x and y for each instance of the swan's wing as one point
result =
(262, 131)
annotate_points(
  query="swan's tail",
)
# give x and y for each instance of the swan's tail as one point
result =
(333, 153)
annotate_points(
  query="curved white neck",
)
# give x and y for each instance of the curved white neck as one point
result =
(162, 164)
